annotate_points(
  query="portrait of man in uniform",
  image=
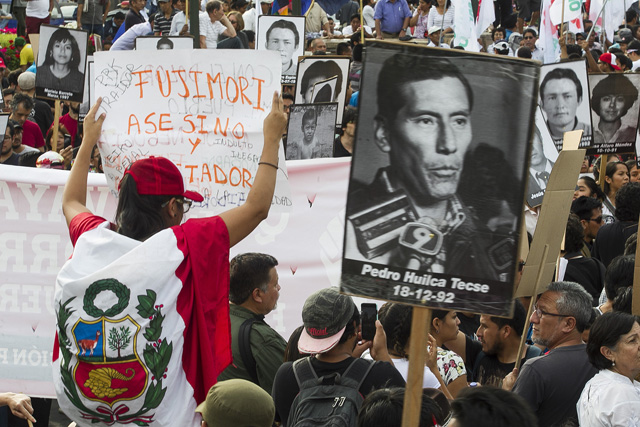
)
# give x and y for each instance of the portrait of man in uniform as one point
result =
(413, 213)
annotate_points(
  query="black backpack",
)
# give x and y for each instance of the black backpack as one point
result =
(331, 400)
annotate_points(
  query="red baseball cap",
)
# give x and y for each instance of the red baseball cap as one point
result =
(610, 59)
(158, 176)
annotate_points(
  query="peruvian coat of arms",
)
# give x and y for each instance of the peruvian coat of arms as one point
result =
(99, 358)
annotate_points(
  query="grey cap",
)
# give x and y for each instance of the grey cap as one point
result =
(325, 315)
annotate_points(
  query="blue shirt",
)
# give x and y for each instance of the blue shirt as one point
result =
(391, 15)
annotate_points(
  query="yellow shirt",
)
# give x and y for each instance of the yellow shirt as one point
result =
(26, 55)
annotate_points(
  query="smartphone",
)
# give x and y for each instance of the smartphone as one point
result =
(67, 141)
(368, 317)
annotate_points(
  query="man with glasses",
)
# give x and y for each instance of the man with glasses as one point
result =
(552, 383)
(7, 156)
(530, 36)
(589, 210)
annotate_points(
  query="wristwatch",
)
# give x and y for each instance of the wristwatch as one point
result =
(405, 29)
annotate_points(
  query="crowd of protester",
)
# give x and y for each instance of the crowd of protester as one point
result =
(582, 355)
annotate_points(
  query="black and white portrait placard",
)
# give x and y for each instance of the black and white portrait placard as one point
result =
(311, 131)
(163, 43)
(564, 100)
(62, 57)
(614, 111)
(316, 69)
(543, 156)
(284, 34)
(438, 177)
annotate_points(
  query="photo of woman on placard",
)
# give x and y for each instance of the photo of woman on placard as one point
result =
(59, 76)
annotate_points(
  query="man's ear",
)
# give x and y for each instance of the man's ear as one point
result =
(584, 224)
(256, 296)
(381, 133)
(569, 324)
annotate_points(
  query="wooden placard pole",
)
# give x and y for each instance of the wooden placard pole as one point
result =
(420, 325)
(635, 301)
(361, 23)
(523, 336)
(562, 22)
(603, 171)
(56, 122)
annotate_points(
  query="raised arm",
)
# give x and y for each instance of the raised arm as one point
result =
(244, 219)
(74, 198)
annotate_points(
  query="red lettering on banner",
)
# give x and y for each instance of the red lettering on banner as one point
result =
(258, 106)
(202, 118)
(194, 144)
(161, 86)
(193, 126)
(237, 92)
(242, 89)
(195, 79)
(163, 122)
(140, 82)
(205, 171)
(191, 168)
(217, 168)
(147, 121)
(133, 123)
(184, 83)
(218, 127)
(215, 79)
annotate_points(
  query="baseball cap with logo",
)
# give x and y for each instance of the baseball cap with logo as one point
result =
(325, 315)
(158, 176)
(610, 59)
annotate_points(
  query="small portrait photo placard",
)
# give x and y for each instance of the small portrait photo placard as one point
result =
(311, 131)
(284, 34)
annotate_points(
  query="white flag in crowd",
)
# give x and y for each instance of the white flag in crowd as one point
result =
(572, 10)
(548, 34)
(486, 16)
(594, 14)
(464, 26)
(613, 16)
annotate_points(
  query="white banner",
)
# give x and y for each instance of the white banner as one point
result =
(34, 244)
(464, 26)
(486, 16)
(203, 110)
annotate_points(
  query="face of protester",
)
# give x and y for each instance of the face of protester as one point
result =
(435, 38)
(308, 130)
(20, 114)
(428, 137)
(634, 174)
(498, 35)
(560, 102)
(16, 139)
(490, 335)
(547, 329)
(611, 108)
(530, 41)
(593, 224)
(355, 24)
(6, 144)
(447, 328)
(582, 190)
(217, 14)
(180, 5)
(270, 297)
(137, 5)
(619, 178)
(423, 6)
(319, 45)
(286, 106)
(165, 6)
(62, 52)
(234, 21)
(284, 41)
(626, 353)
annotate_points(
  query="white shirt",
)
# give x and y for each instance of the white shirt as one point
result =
(210, 30)
(609, 399)
(428, 380)
(636, 65)
(367, 15)
(38, 9)
(178, 21)
(249, 18)
(347, 31)
(127, 40)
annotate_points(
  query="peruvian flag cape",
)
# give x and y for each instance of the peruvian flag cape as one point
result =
(142, 327)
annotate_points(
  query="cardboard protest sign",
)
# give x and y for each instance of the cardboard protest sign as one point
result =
(61, 63)
(551, 224)
(311, 131)
(564, 100)
(312, 70)
(203, 112)
(615, 106)
(163, 43)
(436, 192)
(543, 157)
(285, 35)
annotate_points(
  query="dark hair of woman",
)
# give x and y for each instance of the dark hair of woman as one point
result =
(606, 332)
(396, 321)
(593, 186)
(291, 352)
(139, 216)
